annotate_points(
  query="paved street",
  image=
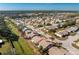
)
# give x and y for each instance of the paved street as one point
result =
(68, 44)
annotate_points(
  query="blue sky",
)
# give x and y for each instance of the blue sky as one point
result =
(39, 6)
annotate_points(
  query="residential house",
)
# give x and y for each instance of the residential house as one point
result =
(62, 33)
(44, 44)
(28, 34)
(66, 31)
(57, 51)
(25, 28)
(54, 27)
(77, 21)
(72, 29)
(76, 44)
(37, 39)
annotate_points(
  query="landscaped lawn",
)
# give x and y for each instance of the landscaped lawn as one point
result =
(6, 48)
(21, 45)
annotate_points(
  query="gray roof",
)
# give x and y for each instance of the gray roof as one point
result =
(72, 29)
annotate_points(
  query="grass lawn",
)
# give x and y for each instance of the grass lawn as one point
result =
(6, 48)
(17, 47)
(51, 33)
(21, 45)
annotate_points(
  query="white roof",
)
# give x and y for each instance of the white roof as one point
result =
(1, 41)
(24, 29)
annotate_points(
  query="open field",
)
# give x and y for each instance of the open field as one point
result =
(21, 45)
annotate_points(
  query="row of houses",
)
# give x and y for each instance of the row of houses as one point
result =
(67, 31)
(60, 24)
(48, 46)
(40, 41)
